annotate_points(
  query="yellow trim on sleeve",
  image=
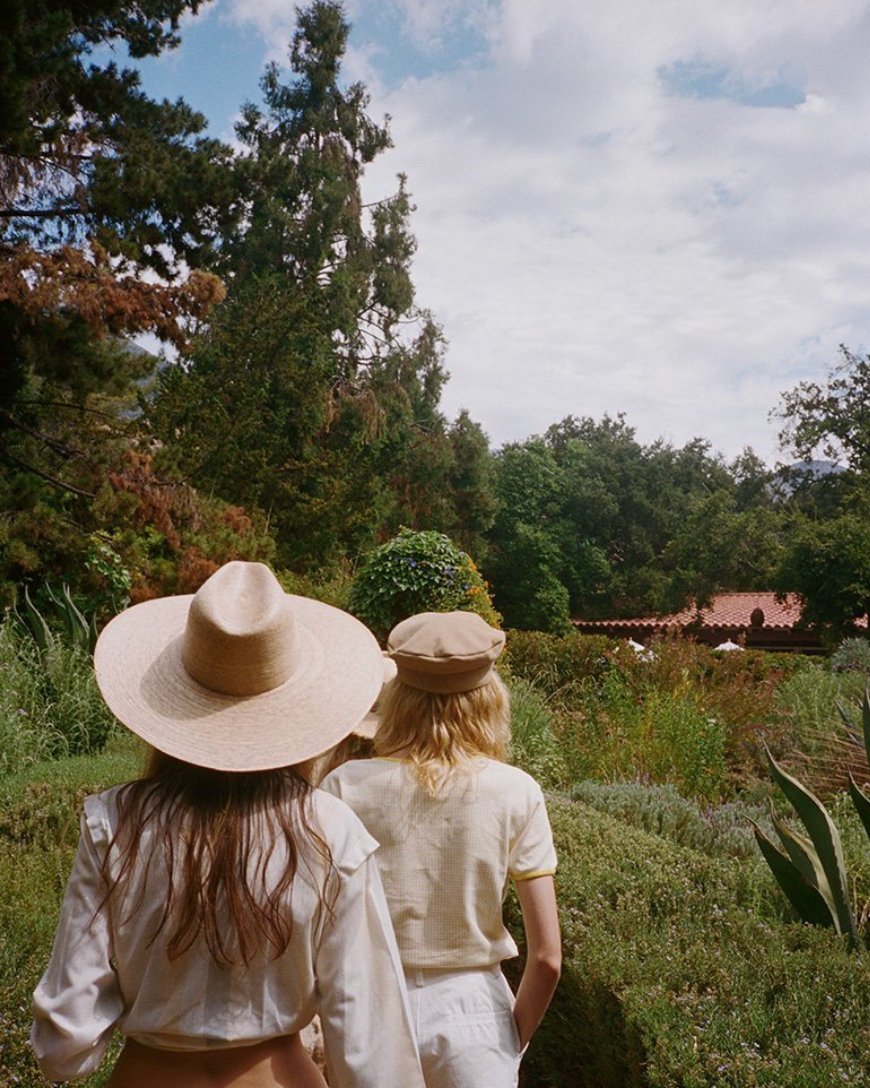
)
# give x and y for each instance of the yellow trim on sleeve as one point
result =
(531, 876)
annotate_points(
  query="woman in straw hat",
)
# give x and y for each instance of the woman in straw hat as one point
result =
(219, 902)
(455, 822)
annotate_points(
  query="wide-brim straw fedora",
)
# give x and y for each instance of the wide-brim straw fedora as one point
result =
(239, 676)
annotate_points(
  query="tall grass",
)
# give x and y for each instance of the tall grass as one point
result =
(678, 714)
(50, 706)
(534, 745)
(40, 807)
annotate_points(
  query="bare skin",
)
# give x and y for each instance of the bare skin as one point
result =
(274, 1063)
(537, 898)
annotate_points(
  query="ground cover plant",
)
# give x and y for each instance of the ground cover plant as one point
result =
(684, 963)
(683, 969)
(39, 828)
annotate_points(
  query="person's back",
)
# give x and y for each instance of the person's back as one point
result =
(445, 859)
(218, 902)
(455, 823)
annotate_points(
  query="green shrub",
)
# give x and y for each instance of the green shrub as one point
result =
(39, 826)
(852, 655)
(656, 737)
(809, 701)
(331, 587)
(723, 830)
(534, 745)
(683, 971)
(558, 664)
(677, 713)
(822, 752)
(417, 572)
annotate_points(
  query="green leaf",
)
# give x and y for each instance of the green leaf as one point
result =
(806, 859)
(826, 841)
(861, 803)
(35, 623)
(851, 728)
(806, 900)
(801, 851)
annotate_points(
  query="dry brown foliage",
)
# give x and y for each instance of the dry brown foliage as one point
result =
(84, 282)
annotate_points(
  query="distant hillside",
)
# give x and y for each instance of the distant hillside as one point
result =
(788, 478)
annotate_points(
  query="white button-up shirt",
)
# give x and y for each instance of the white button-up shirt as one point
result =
(107, 971)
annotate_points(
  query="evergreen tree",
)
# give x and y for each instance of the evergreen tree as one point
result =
(342, 373)
(100, 188)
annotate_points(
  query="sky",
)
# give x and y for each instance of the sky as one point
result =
(622, 206)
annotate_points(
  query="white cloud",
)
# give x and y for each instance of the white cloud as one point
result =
(595, 237)
(593, 242)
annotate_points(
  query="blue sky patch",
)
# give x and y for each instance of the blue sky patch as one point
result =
(706, 80)
(397, 57)
(216, 69)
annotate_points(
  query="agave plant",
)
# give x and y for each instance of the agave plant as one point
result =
(79, 631)
(810, 868)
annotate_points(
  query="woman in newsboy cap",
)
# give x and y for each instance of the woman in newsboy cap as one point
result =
(455, 823)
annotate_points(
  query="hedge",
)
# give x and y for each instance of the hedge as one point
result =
(683, 971)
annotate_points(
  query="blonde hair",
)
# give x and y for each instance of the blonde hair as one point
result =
(442, 732)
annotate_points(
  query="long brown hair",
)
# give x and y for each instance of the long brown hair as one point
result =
(216, 831)
(442, 732)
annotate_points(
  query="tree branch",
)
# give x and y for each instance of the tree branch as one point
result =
(41, 213)
(45, 476)
(52, 443)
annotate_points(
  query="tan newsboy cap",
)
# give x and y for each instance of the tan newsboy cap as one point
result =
(444, 651)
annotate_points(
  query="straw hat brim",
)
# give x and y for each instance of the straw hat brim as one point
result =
(145, 685)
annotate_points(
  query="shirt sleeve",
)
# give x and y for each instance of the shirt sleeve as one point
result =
(78, 1000)
(533, 852)
(367, 1032)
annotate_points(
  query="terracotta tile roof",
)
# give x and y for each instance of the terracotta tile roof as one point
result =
(739, 610)
(725, 610)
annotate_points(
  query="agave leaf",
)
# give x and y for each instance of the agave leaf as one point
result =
(60, 605)
(825, 839)
(806, 900)
(865, 718)
(801, 851)
(861, 803)
(805, 858)
(37, 626)
(76, 624)
(852, 730)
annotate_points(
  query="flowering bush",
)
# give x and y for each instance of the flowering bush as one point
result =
(418, 572)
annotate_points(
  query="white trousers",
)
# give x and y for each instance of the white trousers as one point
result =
(465, 1027)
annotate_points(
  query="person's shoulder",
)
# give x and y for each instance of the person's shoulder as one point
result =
(360, 770)
(348, 841)
(508, 776)
(100, 813)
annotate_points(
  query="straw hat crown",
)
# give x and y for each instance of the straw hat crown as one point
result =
(239, 638)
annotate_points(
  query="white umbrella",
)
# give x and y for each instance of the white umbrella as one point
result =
(729, 645)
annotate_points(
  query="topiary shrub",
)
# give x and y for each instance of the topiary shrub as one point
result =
(418, 572)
